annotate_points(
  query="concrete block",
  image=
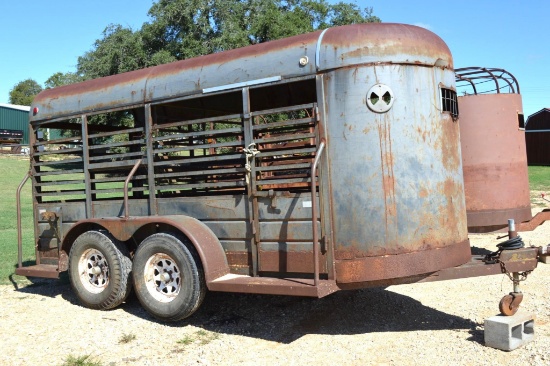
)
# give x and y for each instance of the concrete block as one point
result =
(544, 259)
(509, 332)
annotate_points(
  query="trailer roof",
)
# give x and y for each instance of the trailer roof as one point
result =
(324, 50)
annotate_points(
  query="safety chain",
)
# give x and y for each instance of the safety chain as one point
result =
(516, 281)
(494, 257)
(250, 152)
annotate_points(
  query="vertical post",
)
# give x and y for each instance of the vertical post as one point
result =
(314, 213)
(86, 166)
(153, 208)
(19, 229)
(251, 188)
(512, 233)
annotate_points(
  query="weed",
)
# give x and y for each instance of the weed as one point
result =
(80, 361)
(186, 340)
(127, 338)
(202, 337)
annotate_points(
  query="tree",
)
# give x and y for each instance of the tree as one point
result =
(24, 92)
(180, 29)
(59, 79)
(189, 28)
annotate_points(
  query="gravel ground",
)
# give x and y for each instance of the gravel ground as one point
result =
(438, 323)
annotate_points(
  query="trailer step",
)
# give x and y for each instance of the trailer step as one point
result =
(39, 270)
(273, 286)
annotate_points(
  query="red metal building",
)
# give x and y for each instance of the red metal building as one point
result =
(537, 137)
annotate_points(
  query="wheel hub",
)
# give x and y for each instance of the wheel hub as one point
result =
(162, 277)
(94, 270)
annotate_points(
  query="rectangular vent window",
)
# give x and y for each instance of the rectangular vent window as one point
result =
(521, 121)
(449, 102)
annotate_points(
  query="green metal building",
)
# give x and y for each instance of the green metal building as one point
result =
(15, 117)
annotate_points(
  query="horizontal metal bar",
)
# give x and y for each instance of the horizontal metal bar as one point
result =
(115, 164)
(202, 172)
(121, 190)
(283, 109)
(189, 186)
(37, 124)
(283, 167)
(242, 84)
(201, 146)
(59, 182)
(195, 134)
(58, 141)
(197, 121)
(284, 138)
(206, 158)
(117, 132)
(259, 182)
(117, 144)
(288, 123)
(277, 152)
(117, 179)
(56, 162)
(60, 193)
(116, 156)
(57, 172)
(56, 152)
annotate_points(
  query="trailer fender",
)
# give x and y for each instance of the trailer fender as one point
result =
(205, 242)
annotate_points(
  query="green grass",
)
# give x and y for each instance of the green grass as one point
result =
(539, 178)
(12, 171)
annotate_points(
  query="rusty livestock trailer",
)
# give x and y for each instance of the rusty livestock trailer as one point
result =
(302, 166)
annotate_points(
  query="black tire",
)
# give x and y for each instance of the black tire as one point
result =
(168, 277)
(108, 287)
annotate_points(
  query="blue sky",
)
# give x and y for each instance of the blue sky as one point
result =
(39, 38)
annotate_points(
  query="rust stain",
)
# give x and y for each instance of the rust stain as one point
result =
(423, 193)
(388, 180)
(452, 215)
(449, 143)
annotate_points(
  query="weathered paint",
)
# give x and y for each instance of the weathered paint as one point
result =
(340, 47)
(396, 177)
(495, 162)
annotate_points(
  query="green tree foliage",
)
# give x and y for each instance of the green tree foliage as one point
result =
(24, 92)
(181, 29)
(59, 79)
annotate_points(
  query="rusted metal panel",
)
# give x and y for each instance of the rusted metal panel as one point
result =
(495, 163)
(274, 286)
(39, 270)
(339, 47)
(295, 258)
(520, 260)
(383, 267)
(537, 220)
(396, 177)
(373, 43)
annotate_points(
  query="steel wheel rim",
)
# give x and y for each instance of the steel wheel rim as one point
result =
(162, 277)
(93, 271)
